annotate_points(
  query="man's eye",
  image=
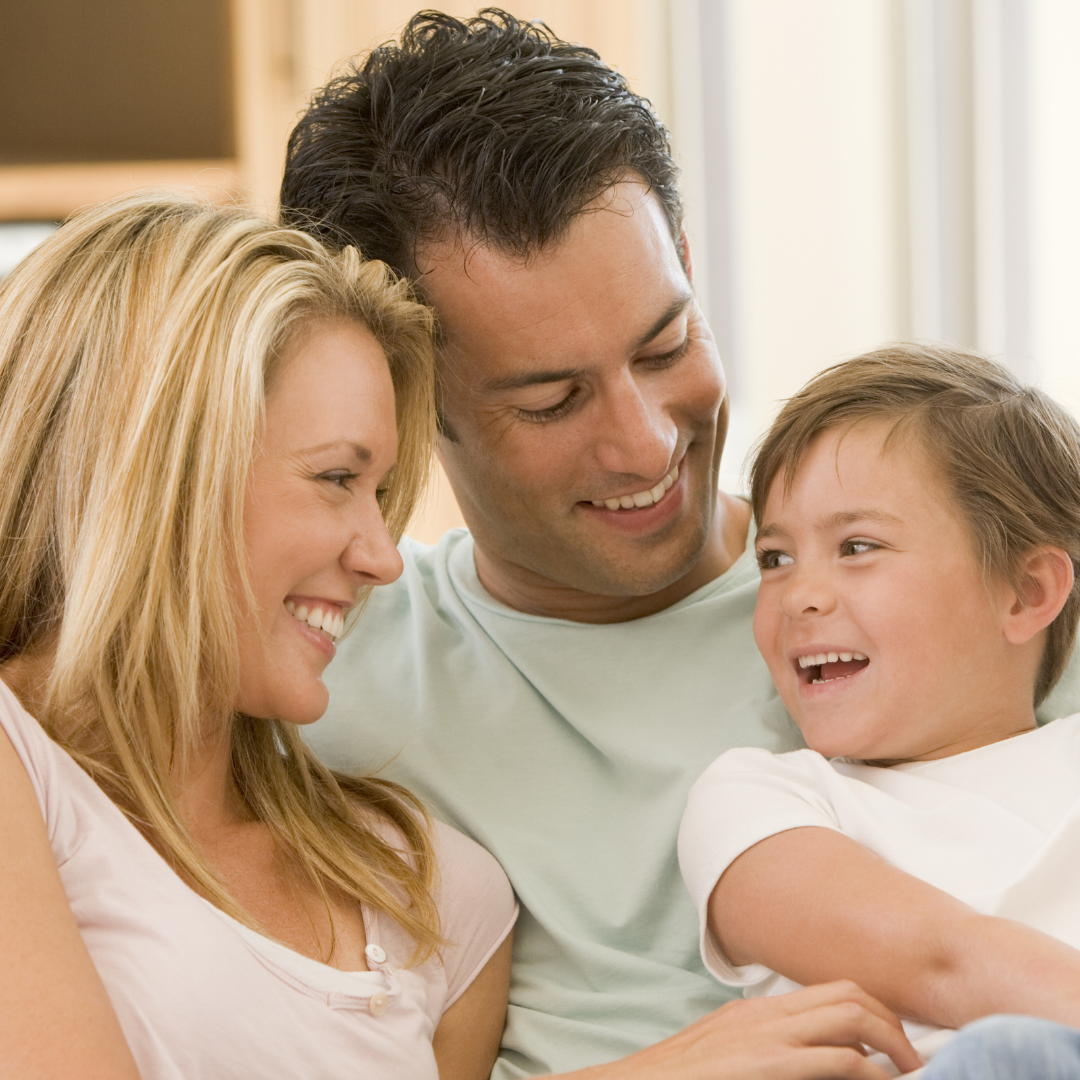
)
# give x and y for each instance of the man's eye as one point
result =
(771, 559)
(669, 358)
(552, 412)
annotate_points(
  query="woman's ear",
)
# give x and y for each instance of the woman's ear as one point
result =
(1045, 581)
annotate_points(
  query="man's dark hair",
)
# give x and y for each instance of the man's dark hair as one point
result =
(490, 127)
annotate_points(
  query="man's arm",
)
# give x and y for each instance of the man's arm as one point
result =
(815, 905)
(813, 1034)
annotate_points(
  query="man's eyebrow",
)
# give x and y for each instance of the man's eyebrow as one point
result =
(538, 378)
(532, 378)
(673, 310)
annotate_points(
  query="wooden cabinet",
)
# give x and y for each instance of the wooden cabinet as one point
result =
(103, 97)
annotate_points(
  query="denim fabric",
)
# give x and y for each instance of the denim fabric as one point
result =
(1009, 1048)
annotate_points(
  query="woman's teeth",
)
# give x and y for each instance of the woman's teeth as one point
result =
(330, 622)
(641, 498)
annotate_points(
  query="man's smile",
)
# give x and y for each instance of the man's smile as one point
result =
(640, 499)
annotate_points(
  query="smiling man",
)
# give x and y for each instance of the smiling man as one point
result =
(554, 679)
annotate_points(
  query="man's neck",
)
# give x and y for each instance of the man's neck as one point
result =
(532, 594)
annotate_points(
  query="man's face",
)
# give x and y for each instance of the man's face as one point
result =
(572, 384)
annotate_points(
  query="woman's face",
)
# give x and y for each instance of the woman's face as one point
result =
(313, 527)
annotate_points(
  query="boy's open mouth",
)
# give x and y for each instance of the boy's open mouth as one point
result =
(827, 667)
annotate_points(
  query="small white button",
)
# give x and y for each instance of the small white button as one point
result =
(377, 1003)
(375, 954)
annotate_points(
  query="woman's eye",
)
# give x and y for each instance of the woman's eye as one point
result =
(552, 412)
(339, 477)
(771, 559)
(858, 547)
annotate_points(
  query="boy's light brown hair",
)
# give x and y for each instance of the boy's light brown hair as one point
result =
(1010, 454)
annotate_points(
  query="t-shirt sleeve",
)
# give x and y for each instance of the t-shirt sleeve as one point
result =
(745, 796)
(38, 754)
(477, 908)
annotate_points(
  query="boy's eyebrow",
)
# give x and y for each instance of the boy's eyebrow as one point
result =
(831, 522)
(850, 517)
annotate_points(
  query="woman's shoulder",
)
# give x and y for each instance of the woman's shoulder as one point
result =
(476, 904)
(469, 873)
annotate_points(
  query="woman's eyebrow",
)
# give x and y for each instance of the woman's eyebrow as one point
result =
(362, 452)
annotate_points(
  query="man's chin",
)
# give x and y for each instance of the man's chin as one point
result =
(635, 574)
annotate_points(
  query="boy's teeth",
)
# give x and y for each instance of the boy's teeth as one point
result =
(817, 659)
(328, 621)
(641, 498)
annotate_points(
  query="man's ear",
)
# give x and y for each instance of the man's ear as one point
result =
(1046, 580)
(684, 255)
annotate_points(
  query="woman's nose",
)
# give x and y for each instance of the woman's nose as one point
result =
(371, 552)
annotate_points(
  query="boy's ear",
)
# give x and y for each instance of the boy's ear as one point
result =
(1046, 580)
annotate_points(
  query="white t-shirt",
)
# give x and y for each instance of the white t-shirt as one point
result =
(997, 827)
(201, 997)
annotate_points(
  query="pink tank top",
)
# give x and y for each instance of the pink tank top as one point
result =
(201, 997)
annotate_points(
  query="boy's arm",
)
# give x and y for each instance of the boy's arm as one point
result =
(816, 905)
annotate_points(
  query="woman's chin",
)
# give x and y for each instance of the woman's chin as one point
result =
(290, 707)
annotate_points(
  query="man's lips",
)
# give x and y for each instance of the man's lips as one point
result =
(639, 500)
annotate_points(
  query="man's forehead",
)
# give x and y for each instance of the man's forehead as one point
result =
(616, 273)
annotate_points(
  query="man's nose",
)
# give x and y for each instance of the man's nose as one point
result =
(636, 434)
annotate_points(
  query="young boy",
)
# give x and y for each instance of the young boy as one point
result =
(918, 532)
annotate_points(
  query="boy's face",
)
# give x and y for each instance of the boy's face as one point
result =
(866, 561)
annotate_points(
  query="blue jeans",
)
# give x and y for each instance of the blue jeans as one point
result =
(1009, 1048)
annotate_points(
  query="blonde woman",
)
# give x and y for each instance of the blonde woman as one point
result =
(204, 421)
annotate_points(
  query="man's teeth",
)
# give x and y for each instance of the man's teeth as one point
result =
(641, 498)
(828, 658)
(328, 621)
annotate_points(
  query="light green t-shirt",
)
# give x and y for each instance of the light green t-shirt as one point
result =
(567, 750)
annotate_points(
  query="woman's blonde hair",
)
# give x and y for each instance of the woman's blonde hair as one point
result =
(136, 345)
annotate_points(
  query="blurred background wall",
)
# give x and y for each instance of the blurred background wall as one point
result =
(855, 171)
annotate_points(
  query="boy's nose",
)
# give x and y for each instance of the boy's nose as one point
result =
(808, 593)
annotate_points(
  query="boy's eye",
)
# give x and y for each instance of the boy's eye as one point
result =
(771, 558)
(858, 547)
